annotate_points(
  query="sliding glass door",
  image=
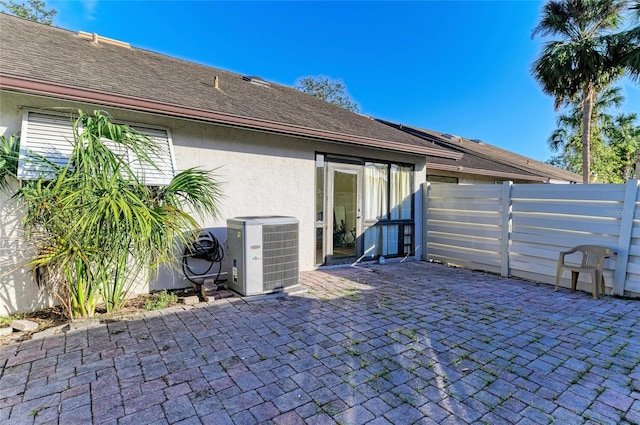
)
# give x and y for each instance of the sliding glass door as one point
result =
(364, 210)
(344, 202)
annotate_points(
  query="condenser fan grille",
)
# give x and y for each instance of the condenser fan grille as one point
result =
(280, 255)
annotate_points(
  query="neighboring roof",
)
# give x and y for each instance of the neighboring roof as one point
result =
(482, 158)
(44, 60)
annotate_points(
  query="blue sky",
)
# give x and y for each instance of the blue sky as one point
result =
(460, 67)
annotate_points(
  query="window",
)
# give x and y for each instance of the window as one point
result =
(401, 192)
(51, 136)
(388, 192)
(441, 179)
(376, 179)
(388, 210)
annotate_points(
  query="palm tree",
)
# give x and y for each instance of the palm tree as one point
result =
(578, 64)
(614, 140)
(568, 134)
(96, 227)
(625, 46)
(624, 138)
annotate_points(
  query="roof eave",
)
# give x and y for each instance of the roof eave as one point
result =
(483, 172)
(37, 87)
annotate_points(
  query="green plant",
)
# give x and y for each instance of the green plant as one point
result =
(409, 333)
(6, 320)
(96, 226)
(619, 348)
(9, 148)
(352, 294)
(33, 10)
(159, 300)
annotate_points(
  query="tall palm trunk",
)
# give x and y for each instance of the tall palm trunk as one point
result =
(587, 108)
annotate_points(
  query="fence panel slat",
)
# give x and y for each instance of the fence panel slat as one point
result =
(573, 223)
(594, 192)
(626, 228)
(529, 224)
(471, 242)
(464, 225)
(603, 210)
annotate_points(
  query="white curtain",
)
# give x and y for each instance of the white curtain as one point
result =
(375, 180)
(381, 240)
(391, 234)
(400, 192)
(372, 241)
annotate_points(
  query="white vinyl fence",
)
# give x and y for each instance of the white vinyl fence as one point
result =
(519, 229)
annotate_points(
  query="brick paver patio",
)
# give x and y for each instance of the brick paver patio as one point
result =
(381, 344)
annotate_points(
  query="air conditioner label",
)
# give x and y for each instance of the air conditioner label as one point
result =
(234, 272)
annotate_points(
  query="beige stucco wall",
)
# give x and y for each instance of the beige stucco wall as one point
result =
(18, 291)
(261, 174)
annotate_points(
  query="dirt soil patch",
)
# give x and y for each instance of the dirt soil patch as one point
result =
(53, 317)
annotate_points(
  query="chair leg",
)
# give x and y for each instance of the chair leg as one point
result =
(602, 286)
(596, 281)
(574, 280)
(558, 277)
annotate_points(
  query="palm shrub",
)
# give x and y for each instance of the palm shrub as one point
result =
(96, 226)
(8, 159)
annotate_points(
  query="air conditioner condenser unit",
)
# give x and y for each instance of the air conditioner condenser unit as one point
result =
(263, 254)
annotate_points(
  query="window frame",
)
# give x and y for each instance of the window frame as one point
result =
(403, 248)
(29, 171)
(442, 179)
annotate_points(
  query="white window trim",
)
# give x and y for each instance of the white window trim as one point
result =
(55, 148)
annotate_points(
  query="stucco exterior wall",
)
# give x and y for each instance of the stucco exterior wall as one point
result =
(260, 173)
(18, 291)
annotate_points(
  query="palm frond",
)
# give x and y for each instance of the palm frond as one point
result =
(194, 189)
(9, 153)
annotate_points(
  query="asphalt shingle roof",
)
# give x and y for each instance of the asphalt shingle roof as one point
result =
(476, 153)
(53, 55)
(37, 53)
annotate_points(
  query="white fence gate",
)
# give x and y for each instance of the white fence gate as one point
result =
(518, 229)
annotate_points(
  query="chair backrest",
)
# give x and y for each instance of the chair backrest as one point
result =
(593, 255)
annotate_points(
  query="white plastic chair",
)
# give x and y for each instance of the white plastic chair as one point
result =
(592, 262)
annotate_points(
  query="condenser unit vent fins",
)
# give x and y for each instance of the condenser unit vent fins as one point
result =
(279, 255)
